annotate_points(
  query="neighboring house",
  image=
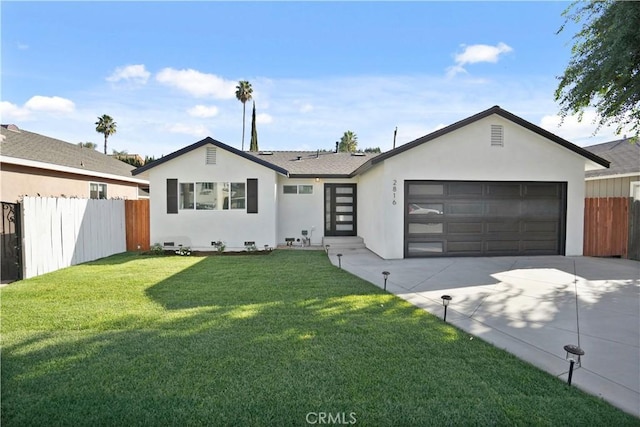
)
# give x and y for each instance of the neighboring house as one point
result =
(37, 165)
(491, 184)
(622, 179)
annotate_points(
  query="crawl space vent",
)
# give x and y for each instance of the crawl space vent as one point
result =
(211, 155)
(497, 136)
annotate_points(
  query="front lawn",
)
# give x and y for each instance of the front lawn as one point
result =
(267, 340)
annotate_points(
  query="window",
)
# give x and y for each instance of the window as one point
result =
(186, 195)
(97, 191)
(297, 189)
(212, 196)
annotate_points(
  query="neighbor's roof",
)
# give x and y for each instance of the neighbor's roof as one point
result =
(486, 113)
(300, 164)
(31, 149)
(624, 155)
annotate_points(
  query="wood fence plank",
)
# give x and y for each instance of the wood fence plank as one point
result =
(606, 227)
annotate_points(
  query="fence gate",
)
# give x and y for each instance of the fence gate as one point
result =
(11, 250)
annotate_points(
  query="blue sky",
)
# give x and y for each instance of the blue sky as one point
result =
(166, 71)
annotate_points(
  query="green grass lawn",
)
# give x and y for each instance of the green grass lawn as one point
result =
(255, 340)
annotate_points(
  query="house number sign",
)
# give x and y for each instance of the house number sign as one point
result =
(395, 188)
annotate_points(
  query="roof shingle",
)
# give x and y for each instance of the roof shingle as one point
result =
(27, 145)
(624, 155)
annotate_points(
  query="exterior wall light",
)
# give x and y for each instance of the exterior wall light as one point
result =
(385, 274)
(574, 354)
(445, 302)
(340, 260)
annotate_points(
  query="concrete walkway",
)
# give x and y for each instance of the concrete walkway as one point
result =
(532, 307)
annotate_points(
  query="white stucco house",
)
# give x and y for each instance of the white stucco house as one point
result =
(491, 184)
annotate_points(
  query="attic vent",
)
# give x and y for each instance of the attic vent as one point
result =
(497, 136)
(211, 155)
(357, 154)
(266, 153)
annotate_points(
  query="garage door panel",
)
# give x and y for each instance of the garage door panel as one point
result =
(464, 247)
(465, 228)
(502, 246)
(541, 190)
(484, 218)
(541, 227)
(504, 190)
(426, 228)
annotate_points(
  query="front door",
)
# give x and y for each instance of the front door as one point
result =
(340, 210)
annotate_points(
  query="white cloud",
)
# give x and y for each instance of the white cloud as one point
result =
(579, 132)
(203, 111)
(306, 108)
(50, 104)
(133, 73)
(197, 84)
(23, 46)
(193, 130)
(12, 111)
(477, 53)
(263, 118)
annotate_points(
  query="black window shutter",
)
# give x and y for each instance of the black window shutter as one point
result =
(172, 196)
(252, 195)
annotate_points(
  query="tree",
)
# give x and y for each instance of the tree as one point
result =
(373, 150)
(106, 126)
(91, 145)
(254, 131)
(604, 69)
(348, 142)
(243, 94)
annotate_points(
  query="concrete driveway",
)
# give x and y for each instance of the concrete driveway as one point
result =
(532, 307)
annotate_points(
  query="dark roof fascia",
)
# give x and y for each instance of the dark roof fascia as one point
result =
(209, 140)
(493, 110)
(320, 175)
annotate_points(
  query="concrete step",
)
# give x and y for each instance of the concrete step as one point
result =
(343, 243)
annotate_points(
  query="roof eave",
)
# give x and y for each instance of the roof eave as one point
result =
(209, 140)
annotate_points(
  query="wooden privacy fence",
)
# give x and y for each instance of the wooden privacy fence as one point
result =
(61, 232)
(137, 224)
(611, 227)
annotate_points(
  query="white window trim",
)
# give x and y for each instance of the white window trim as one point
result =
(195, 196)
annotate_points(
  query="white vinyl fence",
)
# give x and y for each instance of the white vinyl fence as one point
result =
(62, 232)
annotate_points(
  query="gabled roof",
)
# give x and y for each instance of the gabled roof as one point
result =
(624, 155)
(316, 164)
(32, 149)
(493, 110)
(300, 164)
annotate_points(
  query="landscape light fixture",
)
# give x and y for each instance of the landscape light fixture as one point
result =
(445, 303)
(326, 248)
(385, 274)
(574, 353)
(340, 260)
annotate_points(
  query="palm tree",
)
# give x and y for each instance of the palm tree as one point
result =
(106, 126)
(348, 142)
(243, 94)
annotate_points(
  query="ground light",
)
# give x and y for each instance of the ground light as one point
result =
(574, 353)
(385, 274)
(445, 303)
(340, 260)
(326, 248)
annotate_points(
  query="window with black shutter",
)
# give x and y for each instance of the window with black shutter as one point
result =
(172, 196)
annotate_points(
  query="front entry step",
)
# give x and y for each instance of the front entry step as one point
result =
(347, 243)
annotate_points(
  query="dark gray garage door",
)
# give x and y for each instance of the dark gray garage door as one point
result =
(463, 218)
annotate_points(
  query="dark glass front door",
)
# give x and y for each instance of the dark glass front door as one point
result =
(340, 210)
